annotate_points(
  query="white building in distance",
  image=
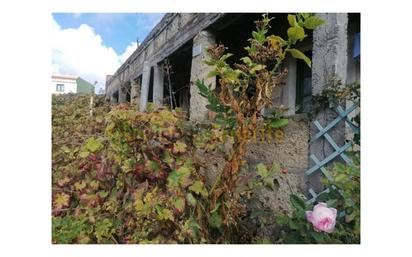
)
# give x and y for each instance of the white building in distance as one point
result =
(63, 84)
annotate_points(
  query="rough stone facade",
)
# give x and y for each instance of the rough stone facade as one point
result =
(158, 77)
(144, 93)
(198, 103)
(135, 93)
(329, 61)
(291, 153)
(329, 50)
(122, 94)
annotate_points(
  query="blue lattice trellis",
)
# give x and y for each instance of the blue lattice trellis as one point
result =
(319, 165)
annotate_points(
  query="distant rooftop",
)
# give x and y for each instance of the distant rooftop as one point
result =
(59, 76)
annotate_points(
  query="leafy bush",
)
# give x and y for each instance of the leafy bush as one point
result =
(134, 182)
(345, 193)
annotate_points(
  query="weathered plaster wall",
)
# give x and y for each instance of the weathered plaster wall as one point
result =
(329, 50)
(135, 93)
(199, 70)
(144, 92)
(158, 86)
(291, 153)
(329, 61)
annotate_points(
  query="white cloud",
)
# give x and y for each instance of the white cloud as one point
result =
(129, 50)
(81, 52)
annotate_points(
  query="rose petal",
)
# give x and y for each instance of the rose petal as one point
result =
(330, 229)
(320, 205)
(319, 226)
(309, 216)
(335, 212)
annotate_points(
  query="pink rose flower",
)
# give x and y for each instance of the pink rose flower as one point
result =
(322, 218)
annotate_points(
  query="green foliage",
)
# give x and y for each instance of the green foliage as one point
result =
(104, 231)
(215, 220)
(344, 196)
(298, 23)
(296, 33)
(69, 229)
(337, 94)
(260, 179)
(134, 185)
(266, 175)
(299, 55)
(206, 92)
(312, 22)
(297, 230)
(224, 115)
(275, 119)
(211, 137)
(279, 123)
(198, 188)
(92, 145)
(297, 203)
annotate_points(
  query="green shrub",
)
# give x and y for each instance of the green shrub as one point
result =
(133, 183)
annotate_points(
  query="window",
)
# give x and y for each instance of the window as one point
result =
(303, 85)
(356, 47)
(60, 87)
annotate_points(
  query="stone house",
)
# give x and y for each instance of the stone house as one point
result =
(182, 39)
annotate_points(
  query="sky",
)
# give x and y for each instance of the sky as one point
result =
(93, 45)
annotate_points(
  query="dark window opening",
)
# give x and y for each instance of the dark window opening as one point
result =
(354, 35)
(303, 84)
(180, 62)
(116, 96)
(150, 96)
(128, 88)
(354, 50)
(138, 81)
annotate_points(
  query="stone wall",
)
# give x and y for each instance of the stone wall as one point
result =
(202, 41)
(292, 154)
(329, 61)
